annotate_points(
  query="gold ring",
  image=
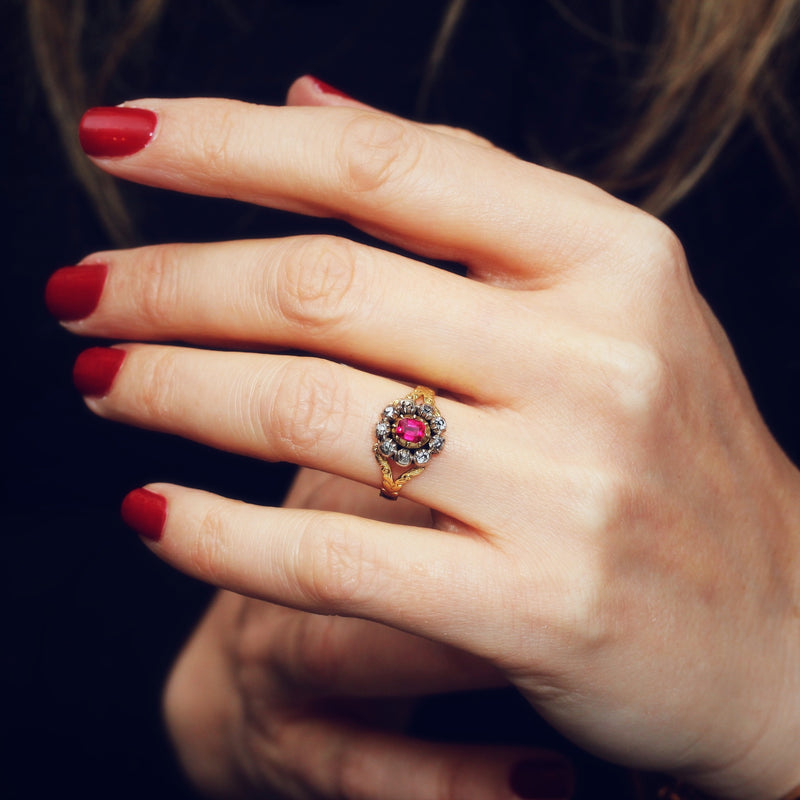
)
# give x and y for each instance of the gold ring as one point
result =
(409, 433)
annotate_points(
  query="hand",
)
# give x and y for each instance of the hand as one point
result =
(617, 532)
(269, 701)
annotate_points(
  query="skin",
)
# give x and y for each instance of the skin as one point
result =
(271, 701)
(614, 530)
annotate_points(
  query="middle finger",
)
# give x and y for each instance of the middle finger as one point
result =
(321, 294)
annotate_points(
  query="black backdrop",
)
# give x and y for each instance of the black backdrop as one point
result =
(91, 621)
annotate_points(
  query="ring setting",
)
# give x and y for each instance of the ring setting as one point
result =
(409, 433)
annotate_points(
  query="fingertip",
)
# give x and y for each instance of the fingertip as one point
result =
(73, 293)
(116, 131)
(145, 511)
(95, 369)
(308, 90)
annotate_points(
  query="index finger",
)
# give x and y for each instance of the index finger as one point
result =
(429, 192)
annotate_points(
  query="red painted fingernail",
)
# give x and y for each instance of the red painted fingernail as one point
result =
(326, 88)
(542, 780)
(95, 370)
(145, 512)
(116, 131)
(74, 292)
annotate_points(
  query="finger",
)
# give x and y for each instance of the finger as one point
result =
(297, 747)
(336, 760)
(310, 91)
(325, 492)
(322, 655)
(347, 657)
(306, 411)
(424, 582)
(320, 294)
(429, 192)
(202, 702)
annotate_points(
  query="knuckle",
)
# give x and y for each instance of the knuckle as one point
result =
(656, 249)
(216, 152)
(158, 284)
(664, 243)
(314, 286)
(311, 651)
(352, 777)
(304, 414)
(636, 377)
(599, 498)
(377, 153)
(464, 134)
(156, 382)
(335, 570)
(208, 552)
(248, 639)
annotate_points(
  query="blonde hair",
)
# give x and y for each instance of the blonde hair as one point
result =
(715, 64)
(56, 32)
(710, 66)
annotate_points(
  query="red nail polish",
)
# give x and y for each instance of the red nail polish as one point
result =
(145, 512)
(95, 370)
(74, 292)
(116, 131)
(326, 88)
(542, 780)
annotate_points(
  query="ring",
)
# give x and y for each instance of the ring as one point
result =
(409, 433)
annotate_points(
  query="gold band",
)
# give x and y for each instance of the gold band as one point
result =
(409, 433)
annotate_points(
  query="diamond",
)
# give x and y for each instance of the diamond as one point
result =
(426, 411)
(388, 447)
(382, 429)
(406, 406)
(436, 444)
(438, 425)
(422, 456)
(403, 457)
(390, 412)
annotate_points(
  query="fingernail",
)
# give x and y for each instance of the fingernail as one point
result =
(326, 88)
(542, 780)
(95, 370)
(145, 512)
(116, 131)
(74, 292)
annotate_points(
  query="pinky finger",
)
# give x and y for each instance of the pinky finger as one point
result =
(413, 579)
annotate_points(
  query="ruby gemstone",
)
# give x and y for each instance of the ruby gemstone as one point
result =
(411, 430)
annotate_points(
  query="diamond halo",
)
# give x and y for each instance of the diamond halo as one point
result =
(409, 433)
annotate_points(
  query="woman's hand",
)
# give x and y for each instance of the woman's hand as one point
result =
(616, 530)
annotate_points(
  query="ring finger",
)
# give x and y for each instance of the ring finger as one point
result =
(307, 411)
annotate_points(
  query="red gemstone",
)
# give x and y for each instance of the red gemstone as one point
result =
(410, 430)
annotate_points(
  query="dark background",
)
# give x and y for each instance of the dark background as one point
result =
(92, 621)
